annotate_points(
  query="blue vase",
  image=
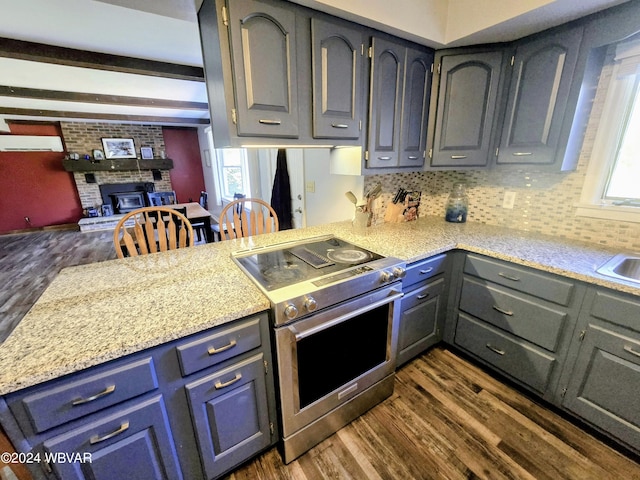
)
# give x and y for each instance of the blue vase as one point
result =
(457, 204)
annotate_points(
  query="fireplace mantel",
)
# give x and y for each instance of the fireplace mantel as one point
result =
(117, 165)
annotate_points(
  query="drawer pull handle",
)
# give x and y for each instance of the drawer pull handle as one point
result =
(503, 311)
(106, 391)
(495, 349)
(628, 348)
(521, 154)
(458, 157)
(509, 277)
(339, 125)
(426, 270)
(213, 350)
(265, 121)
(412, 157)
(220, 385)
(96, 439)
(384, 158)
(423, 296)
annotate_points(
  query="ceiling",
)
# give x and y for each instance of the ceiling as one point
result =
(145, 63)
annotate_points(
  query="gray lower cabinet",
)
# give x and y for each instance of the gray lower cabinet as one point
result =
(132, 442)
(423, 307)
(517, 320)
(399, 91)
(193, 408)
(602, 385)
(464, 103)
(541, 76)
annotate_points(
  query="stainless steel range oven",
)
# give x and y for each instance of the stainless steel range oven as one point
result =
(335, 309)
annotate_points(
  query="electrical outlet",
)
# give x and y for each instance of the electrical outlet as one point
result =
(509, 200)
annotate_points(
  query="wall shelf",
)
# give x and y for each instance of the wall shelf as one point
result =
(117, 165)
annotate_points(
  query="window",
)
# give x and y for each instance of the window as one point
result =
(231, 171)
(611, 188)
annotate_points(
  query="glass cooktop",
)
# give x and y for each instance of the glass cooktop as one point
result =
(284, 265)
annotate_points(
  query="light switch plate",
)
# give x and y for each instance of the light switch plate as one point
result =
(311, 186)
(509, 200)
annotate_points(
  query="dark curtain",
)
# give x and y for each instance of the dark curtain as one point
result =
(281, 192)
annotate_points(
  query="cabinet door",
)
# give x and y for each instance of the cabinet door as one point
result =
(230, 414)
(263, 48)
(605, 382)
(539, 88)
(387, 75)
(415, 105)
(421, 319)
(337, 62)
(465, 109)
(132, 443)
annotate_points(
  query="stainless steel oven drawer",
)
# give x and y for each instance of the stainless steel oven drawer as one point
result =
(516, 358)
(219, 346)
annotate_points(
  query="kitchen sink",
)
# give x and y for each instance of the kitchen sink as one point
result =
(625, 266)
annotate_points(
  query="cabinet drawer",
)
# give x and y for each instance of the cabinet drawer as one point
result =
(62, 401)
(219, 346)
(513, 313)
(617, 309)
(424, 269)
(540, 285)
(521, 361)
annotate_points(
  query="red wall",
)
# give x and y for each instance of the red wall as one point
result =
(183, 148)
(34, 185)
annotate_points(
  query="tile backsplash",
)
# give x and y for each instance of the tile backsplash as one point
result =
(544, 203)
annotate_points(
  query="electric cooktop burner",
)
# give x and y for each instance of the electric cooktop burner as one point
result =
(284, 265)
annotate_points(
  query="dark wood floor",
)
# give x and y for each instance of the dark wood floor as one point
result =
(30, 261)
(448, 419)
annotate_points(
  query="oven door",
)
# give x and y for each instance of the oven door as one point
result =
(332, 356)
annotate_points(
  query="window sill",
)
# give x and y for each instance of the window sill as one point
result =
(609, 212)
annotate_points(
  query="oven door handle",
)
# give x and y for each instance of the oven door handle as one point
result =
(300, 334)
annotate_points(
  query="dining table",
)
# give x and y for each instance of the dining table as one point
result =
(197, 214)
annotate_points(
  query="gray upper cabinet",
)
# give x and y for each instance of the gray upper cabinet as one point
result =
(541, 77)
(385, 102)
(464, 101)
(263, 47)
(399, 94)
(415, 107)
(337, 75)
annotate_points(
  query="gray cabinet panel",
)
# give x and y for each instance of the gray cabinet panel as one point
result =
(513, 313)
(131, 443)
(605, 382)
(387, 74)
(415, 106)
(337, 62)
(230, 414)
(538, 92)
(516, 358)
(465, 107)
(263, 39)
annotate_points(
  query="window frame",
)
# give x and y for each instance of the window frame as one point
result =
(619, 95)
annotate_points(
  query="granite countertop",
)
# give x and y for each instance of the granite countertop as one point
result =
(94, 313)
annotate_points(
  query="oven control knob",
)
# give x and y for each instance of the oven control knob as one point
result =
(387, 277)
(399, 272)
(290, 311)
(310, 304)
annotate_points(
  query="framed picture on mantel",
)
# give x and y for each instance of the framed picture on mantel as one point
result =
(119, 147)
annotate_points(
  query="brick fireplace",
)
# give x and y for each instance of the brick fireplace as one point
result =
(83, 138)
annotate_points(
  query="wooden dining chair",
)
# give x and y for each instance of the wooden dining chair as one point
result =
(245, 217)
(158, 199)
(150, 230)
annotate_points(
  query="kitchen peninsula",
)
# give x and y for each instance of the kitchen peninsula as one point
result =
(100, 313)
